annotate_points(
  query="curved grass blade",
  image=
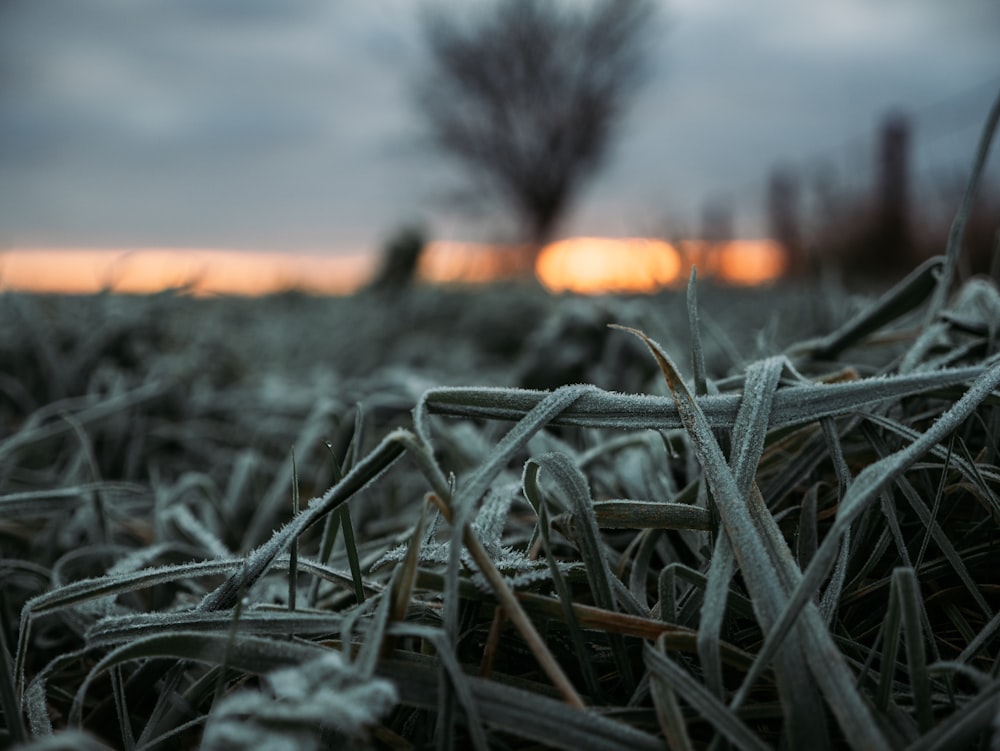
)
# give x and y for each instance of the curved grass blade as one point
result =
(244, 652)
(84, 410)
(964, 727)
(749, 432)
(371, 648)
(536, 498)
(642, 566)
(462, 504)
(806, 725)
(907, 295)
(574, 485)
(721, 717)
(100, 514)
(8, 687)
(720, 572)
(910, 607)
(808, 537)
(678, 638)
(595, 408)
(697, 353)
(516, 613)
(668, 713)
(628, 514)
(525, 714)
(981, 639)
(351, 545)
(831, 595)
(402, 586)
(85, 590)
(869, 483)
(890, 633)
(34, 503)
(121, 708)
(457, 677)
(516, 439)
(66, 740)
(120, 629)
(957, 231)
(293, 548)
(35, 702)
(934, 530)
(270, 506)
(759, 561)
(257, 561)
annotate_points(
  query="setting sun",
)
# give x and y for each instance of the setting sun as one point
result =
(592, 265)
(596, 265)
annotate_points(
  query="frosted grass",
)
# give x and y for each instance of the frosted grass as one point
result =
(777, 552)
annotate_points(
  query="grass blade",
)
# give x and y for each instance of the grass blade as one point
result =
(890, 632)
(293, 548)
(258, 561)
(908, 592)
(697, 352)
(914, 290)
(8, 687)
(869, 483)
(462, 505)
(119, 629)
(517, 615)
(351, 545)
(963, 728)
(573, 484)
(669, 715)
(758, 563)
(522, 713)
(721, 717)
(795, 405)
(628, 514)
(957, 231)
(456, 676)
(538, 501)
(246, 653)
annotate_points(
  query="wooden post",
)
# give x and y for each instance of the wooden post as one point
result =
(783, 219)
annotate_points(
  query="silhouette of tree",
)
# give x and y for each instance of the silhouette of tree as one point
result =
(526, 96)
(400, 259)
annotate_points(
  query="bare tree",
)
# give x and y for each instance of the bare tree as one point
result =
(526, 96)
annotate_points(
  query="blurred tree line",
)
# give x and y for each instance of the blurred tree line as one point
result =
(527, 97)
(878, 232)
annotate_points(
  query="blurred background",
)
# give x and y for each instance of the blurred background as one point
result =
(250, 146)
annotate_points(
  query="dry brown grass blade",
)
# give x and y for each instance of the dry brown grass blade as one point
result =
(515, 612)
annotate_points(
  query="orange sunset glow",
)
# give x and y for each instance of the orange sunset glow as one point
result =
(592, 265)
(202, 271)
(582, 265)
(467, 263)
(739, 262)
(595, 265)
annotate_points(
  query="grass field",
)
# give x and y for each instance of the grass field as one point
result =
(498, 519)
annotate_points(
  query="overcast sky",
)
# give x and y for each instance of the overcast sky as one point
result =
(286, 124)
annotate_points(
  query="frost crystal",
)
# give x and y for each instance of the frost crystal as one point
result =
(296, 705)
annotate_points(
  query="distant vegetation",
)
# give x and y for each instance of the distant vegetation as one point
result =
(526, 97)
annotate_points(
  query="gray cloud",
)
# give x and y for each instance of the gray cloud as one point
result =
(746, 85)
(254, 123)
